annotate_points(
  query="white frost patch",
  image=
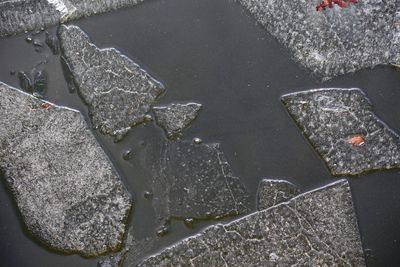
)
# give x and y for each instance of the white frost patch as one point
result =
(317, 56)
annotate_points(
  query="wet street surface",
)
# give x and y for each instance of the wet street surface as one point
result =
(214, 54)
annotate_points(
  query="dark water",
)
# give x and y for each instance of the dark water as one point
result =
(212, 52)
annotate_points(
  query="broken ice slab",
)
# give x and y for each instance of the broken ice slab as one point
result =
(118, 92)
(173, 118)
(272, 192)
(194, 181)
(67, 191)
(25, 15)
(334, 41)
(342, 127)
(317, 228)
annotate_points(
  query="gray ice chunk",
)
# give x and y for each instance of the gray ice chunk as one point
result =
(67, 191)
(336, 40)
(194, 181)
(343, 129)
(273, 192)
(118, 92)
(173, 118)
(25, 15)
(317, 228)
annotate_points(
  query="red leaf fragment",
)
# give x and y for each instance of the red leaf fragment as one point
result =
(329, 3)
(356, 140)
(45, 106)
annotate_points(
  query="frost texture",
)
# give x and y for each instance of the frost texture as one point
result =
(317, 228)
(176, 117)
(194, 181)
(65, 186)
(119, 93)
(334, 41)
(273, 192)
(334, 119)
(24, 15)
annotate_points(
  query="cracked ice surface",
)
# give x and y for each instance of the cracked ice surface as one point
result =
(118, 92)
(317, 228)
(24, 15)
(273, 192)
(65, 186)
(173, 118)
(332, 118)
(334, 41)
(194, 181)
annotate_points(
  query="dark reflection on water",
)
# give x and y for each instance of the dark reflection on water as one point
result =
(211, 52)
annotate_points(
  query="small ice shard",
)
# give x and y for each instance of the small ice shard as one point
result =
(197, 140)
(335, 41)
(273, 192)
(194, 181)
(173, 118)
(25, 15)
(34, 82)
(65, 187)
(118, 92)
(25, 81)
(341, 126)
(39, 83)
(37, 43)
(317, 228)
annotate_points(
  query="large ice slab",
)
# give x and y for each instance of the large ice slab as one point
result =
(344, 130)
(118, 92)
(68, 193)
(317, 228)
(25, 15)
(336, 40)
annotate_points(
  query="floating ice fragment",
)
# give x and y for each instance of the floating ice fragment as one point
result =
(34, 82)
(317, 228)
(341, 126)
(176, 117)
(189, 222)
(162, 231)
(118, 92)
(127, 154)
(18, 16)
(65, 187)
(147, 195)
(197, 140)
(336, 41)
